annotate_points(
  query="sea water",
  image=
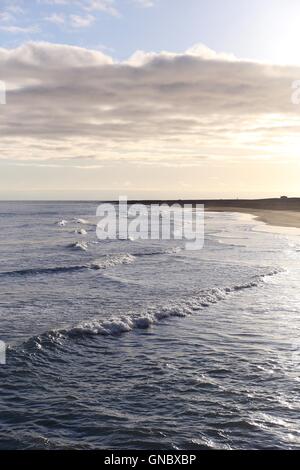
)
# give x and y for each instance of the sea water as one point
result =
(141, 344)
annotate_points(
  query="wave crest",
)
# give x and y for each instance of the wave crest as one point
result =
(112, 260)
(116, 326)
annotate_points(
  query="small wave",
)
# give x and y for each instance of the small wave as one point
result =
(168, 251)
(81, 232)
(273, 272)
(265, 421)
(175, 249)
(84, 222)
(62, 223)
(37, 271)
(80, 246)
(107, 262)
(112, 260)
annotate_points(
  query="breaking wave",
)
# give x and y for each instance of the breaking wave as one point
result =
(115, 326)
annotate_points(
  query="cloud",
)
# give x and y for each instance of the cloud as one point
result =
(107, 6)
(67, 102)
(20, 29)
(72, 14)
(56, 18)
(78, 21)
(144, 3)
(6, 16)
(14, 8)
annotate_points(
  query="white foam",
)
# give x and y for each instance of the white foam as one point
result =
(151, 316)
(112, 260)
(81, 232)
(114, 326)
(62, 223)
(82, 221)
(80, 246)
(174, 250)
(154, 315)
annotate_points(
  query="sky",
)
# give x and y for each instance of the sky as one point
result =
(149, 98)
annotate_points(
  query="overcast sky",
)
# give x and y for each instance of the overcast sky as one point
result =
(173, 98)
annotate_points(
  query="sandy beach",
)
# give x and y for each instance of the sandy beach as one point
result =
(279, 218)
(280, 212)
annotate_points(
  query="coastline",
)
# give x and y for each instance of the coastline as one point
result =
(279, 218)
(278, 212)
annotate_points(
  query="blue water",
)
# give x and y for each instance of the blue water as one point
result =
(142, 344)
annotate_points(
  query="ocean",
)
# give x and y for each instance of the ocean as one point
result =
(142, 344)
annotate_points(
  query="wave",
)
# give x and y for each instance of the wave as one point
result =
(116, 326)
(84, 222)
(168, 251)
(112, 260)
(62, 223)
(174, 249)
(37, 271)
(79, 246)
(81, 221)
(103, 263)
(84, 247)
(81, 231)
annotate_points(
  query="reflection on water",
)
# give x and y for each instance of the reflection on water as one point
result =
(141, 344)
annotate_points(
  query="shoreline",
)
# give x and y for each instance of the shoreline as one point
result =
(277, 218)
(277, 212)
